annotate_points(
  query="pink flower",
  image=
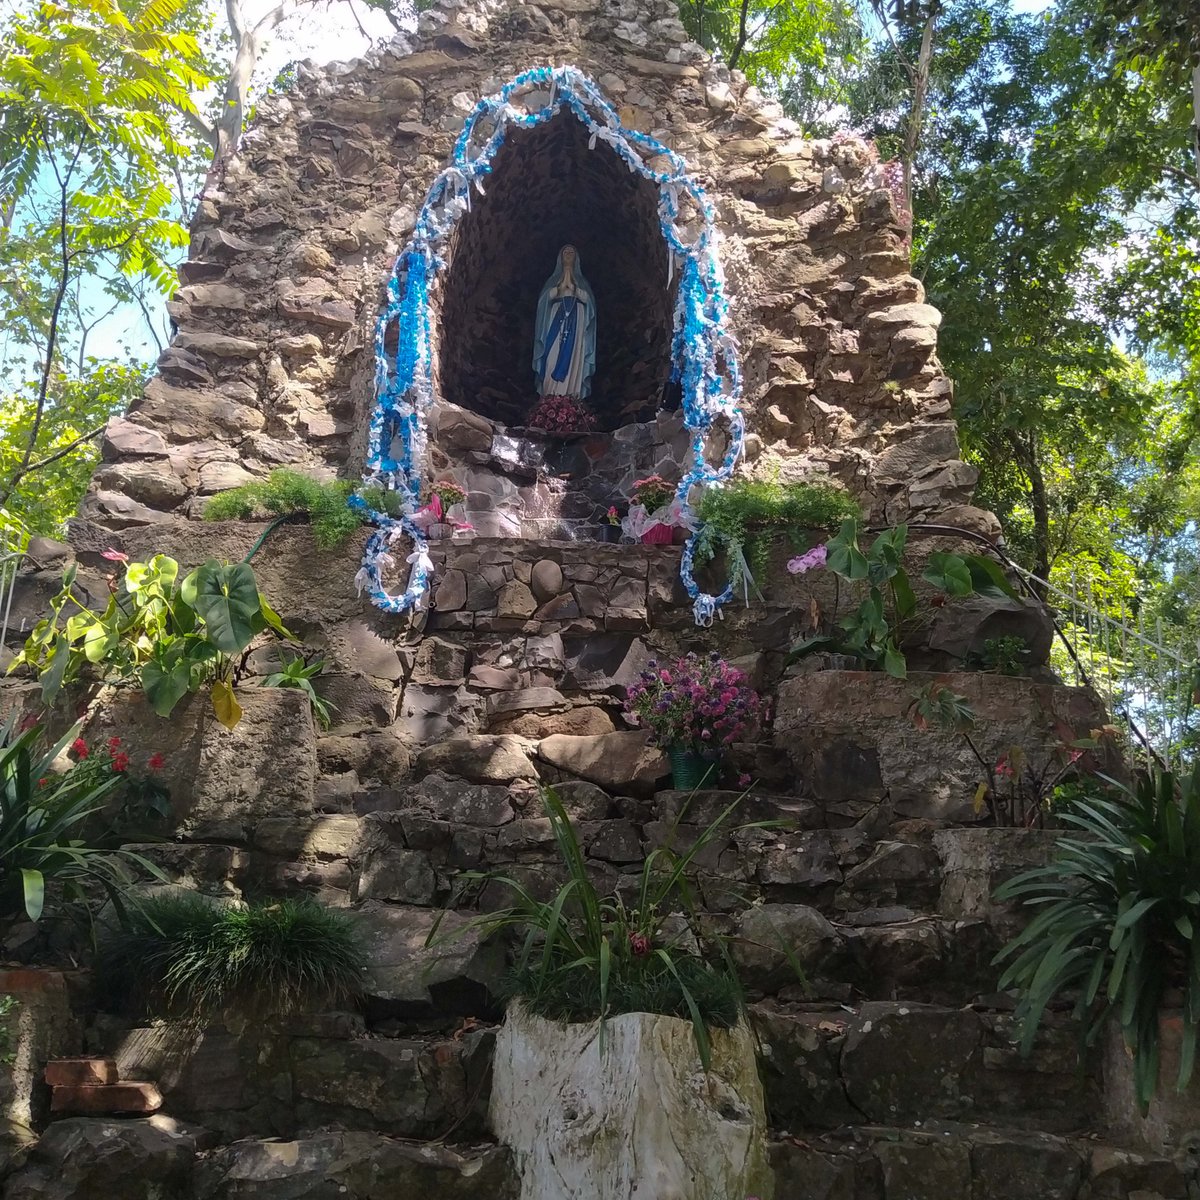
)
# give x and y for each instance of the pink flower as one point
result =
(115, 555)
(806, 562)
(743, 780)
(639, 943)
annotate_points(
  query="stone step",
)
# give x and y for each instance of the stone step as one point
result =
(824, 1066)
(451, 826)
(891, 1062)
(353, 1166)
(945, 1161)
(83, 1158)
(798, 953)
(80, 1072)
(297, 1073)
(99, 1099)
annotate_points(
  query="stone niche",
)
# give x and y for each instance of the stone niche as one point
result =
(548, 189)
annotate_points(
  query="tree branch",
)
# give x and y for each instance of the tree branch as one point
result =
(204, 128)
(881, 13)
(141, 303)
(233, 14)
(63, 451)
(65, 257)
(740, 44)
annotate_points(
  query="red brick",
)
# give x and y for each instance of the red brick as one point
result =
(102, 1099)
(25, 979)
(79, 1072)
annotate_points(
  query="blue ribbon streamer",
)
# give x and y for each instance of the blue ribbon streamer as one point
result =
(703, 357)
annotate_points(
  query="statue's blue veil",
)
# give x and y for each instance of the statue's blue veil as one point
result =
(545, 316)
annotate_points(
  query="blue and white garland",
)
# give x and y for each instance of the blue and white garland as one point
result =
(704, 358)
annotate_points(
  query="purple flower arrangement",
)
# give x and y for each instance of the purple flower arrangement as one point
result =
(562, 414)
(701, 704)
(807, 562)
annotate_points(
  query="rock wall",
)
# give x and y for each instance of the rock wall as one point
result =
(272, 362)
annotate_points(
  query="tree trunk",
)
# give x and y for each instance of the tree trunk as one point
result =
(47, 368)
(916, 115)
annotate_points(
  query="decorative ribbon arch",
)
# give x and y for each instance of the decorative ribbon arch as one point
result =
(703, 352)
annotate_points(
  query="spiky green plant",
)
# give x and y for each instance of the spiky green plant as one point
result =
(45, 829)
(586, 956)
(185, 955)
(296, 673)
(1116, 920)
(286, 492)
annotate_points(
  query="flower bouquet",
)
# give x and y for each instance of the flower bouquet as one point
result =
(695, 708)
(654, 514)
(434, 517)
(610, 526)
(562, 414)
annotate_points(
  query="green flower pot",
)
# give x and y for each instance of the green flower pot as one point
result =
(689, 770)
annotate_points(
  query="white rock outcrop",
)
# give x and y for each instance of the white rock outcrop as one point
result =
(640, 1121)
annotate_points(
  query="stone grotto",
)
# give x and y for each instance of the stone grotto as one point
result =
(890, 1071)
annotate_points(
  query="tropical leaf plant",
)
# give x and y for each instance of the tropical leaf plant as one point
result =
(45, 827)
(172, 635)
(586, 956)
(890, 613)
(1116, 921)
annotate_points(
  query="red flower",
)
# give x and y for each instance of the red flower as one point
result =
(114, 744)
(80, 748)
(156, 762)
(43, 781)
(120, 761)
(639, 943)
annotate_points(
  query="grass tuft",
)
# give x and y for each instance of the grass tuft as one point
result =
(285, 492)
(186, 956)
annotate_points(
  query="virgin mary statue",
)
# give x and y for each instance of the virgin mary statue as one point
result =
(564, 338)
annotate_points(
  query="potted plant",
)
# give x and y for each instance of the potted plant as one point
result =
(448, 492)
(618, 998)
(653, 516)
(1116, 925)
(746, 520)
(610, 526)
(695, 708)
(562, 415)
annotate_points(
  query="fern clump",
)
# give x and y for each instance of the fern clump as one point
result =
(286, 493)
(750, 517)
(188, 956)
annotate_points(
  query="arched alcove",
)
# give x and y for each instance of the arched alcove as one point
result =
(547, 188)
